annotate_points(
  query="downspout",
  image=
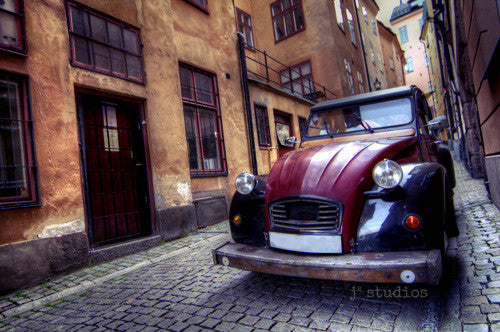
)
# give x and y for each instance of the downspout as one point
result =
(363, 49)
(246, 92)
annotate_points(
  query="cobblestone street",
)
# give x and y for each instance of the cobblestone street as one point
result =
(176, 287)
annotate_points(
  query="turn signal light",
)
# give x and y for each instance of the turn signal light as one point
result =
(412, 222)
(237, 220)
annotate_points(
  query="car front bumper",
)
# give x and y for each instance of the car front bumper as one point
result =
(381, 267)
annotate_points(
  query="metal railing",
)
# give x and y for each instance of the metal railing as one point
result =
(273, 72)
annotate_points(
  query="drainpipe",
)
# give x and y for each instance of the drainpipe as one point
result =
(246, 92)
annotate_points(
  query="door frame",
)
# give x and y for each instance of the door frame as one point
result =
(110, 97)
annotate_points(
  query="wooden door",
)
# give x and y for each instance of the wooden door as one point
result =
(115, 169)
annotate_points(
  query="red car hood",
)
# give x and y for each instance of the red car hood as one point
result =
(337, 170)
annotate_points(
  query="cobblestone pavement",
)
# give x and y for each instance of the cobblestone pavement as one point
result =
(176, 287)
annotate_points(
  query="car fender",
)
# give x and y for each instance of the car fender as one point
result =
(421, 193)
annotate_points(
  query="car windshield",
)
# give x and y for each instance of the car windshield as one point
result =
(367, 117)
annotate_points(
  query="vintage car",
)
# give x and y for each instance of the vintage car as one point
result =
(367, 196)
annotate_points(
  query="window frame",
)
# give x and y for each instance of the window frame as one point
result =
(350, 80)
(198, 5)
(198, 105)
(352, 29)
(90, 41)
(245, 27)
(339, 14)
(281, 14)
(409, 68)
(18, 15)
(403, 32)
(30, 172)
(263, 128)
(302, 79)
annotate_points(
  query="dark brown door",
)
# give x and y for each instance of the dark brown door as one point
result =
(115, 169)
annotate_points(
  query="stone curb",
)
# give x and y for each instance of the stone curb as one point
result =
(98, 281)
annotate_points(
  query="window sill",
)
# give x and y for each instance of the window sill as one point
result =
(19, 205)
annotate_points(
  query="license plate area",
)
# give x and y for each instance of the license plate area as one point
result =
(306, 243)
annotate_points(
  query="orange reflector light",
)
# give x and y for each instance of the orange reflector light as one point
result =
(412, 222)
(237, 220)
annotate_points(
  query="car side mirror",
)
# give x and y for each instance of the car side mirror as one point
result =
(439, 123)
(290, 141)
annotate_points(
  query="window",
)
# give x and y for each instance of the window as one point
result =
(350, 81)
(360, 81)
(338, 14)
(391, 63)
(201, 4)
(409, 65)
(288, 18)
(245, 27)
(351, 25)
(403, 34)
(426, 59)
(430, 86)
(301, 82)
(365, 14)
(202, 119)
(262, 121)
(18, 185)
(12, 26)
(374, 26)
(104, 44)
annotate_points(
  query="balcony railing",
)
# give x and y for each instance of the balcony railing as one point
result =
(262, 66)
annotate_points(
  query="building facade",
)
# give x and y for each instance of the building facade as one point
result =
(393, 57)
(125, 123)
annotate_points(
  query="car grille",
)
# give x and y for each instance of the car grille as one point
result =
(305, 214)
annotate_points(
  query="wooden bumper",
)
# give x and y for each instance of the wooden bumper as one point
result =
(380, 267)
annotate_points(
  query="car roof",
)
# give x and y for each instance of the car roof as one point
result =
(408, 90)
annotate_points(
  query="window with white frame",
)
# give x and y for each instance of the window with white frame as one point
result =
(350, 20)
(338, 14)
(409, 65)
(360, 81)
(350, 82)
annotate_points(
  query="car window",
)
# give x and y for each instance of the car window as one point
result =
(365, 117)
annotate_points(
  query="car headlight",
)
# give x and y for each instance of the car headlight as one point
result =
(244, 183)
(387, 174)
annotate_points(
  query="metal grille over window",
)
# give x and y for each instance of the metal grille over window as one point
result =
(305, 214)
(202, 121)
(104, 44)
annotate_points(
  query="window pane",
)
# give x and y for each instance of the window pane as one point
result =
(101, 56)
(79, 20)
(82, 51)
(299, 19)
(118, 62)
(286, 4)
(262, 122)
(8, 29)
(278, 27)
(209, 136)
(192, 138)
(130, 39)
(306, 68)
(98, 28)
(115, 35)
(186, 83)
(134, 66)
(204, 88)
(276, 8)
